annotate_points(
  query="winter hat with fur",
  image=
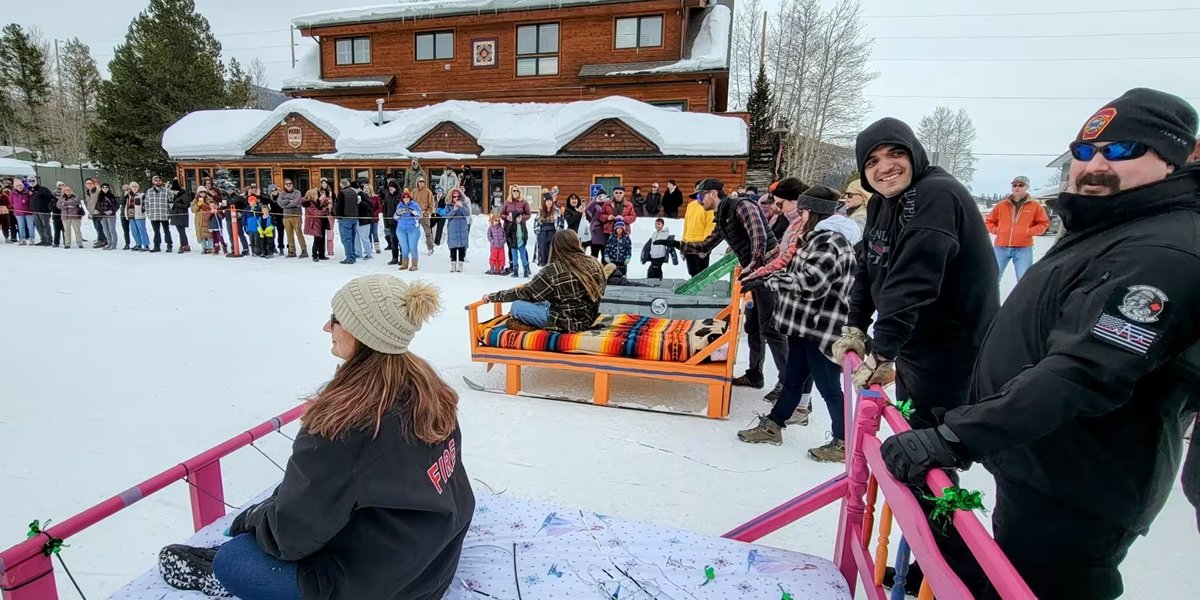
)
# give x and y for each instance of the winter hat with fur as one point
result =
(385, 312)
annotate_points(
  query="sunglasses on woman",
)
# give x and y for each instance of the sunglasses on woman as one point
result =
(1114, 151)
(333, 320)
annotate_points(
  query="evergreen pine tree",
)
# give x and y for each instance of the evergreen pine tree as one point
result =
(168, 65)
(25, 77)
(238, 90)
(762, 117)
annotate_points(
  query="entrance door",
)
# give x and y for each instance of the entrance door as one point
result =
(496, 180)
(608, 182)
(299, 177)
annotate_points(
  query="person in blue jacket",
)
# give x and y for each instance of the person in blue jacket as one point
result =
(618, 249)
(408, 231)
(458, 221)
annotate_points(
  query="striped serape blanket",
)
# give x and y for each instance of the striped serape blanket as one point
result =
(627, 336)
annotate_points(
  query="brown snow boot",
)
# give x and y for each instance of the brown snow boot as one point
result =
(834, 451)
(404, 264)
(413, 266)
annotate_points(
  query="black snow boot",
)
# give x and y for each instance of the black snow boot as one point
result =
(190, 568)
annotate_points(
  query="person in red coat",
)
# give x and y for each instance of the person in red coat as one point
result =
(619, 208)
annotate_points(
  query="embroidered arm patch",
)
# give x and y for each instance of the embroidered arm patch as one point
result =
(1132, 318)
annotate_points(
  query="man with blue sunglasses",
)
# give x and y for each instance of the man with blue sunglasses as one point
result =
(1088, 377)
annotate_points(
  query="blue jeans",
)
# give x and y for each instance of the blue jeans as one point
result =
(25, 227)
(251, 574)
(109, 223)
(518, 253)
(1021, 258)
(140, 237)
(364, 241)
(375, 231)
(532, 313)
(348, 228)
(409, 243)
(806, 360)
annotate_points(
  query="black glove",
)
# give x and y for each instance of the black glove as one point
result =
(669, 242)
(911, 454)
(240, 523)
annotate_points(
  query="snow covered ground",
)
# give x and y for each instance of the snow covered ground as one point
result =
(116, 365)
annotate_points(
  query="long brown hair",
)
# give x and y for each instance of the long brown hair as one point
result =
(371, 384)
(565, 249)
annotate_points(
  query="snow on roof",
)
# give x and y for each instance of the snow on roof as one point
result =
(16, 168)
(529, 129)
(306, 75)
(214, 133)
(710, 51)
(424, 8)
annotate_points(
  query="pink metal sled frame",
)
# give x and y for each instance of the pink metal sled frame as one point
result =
(27, 573)
(865, 475)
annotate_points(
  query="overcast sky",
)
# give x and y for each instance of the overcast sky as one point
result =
(974, 59)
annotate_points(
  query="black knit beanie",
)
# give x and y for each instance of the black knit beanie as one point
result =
(789, 188)
(1162, 121)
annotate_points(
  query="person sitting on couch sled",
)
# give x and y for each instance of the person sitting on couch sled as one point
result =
(563, 296)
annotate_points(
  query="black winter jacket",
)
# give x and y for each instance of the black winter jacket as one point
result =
(181, 206)
(390, 202)
(653, 203)
(368, 517)
(345, 204)
(672, 201)
(926, 263)
(42, 200)
(1080, 391)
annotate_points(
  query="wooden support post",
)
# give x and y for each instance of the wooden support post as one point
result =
(600, 389)
(718, 408)
(512, 379)
(881, 551)
(208, 495)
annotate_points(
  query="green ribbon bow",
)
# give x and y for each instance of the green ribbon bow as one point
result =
(786, 594)
(953, 499)
(710, 575)
(53, 545)
(905, 407)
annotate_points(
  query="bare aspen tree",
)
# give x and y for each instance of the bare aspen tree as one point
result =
(949, 137)
(743, 59)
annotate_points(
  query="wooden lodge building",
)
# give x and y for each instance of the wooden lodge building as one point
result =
(534, 93)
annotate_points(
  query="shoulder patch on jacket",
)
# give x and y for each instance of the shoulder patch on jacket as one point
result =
(1131, 318)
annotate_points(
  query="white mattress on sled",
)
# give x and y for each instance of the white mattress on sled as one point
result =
(567, 553)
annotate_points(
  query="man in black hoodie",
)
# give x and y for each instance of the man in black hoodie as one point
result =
(1089, 377)
(927, 267)
(345, 210)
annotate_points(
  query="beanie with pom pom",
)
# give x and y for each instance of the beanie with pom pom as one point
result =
(385, 312)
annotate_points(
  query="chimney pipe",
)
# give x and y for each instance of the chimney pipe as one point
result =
(379, 106)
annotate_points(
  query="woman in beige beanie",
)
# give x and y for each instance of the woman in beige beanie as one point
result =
(375, 502)
(856, 198)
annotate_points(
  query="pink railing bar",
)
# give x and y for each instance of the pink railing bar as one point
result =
(789, 512)
(26, 573)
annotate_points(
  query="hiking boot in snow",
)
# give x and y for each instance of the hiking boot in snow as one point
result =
(514, 272)
(834, 451)
(413, 265)
(766, 432)
(190, 568)
(773, 395)
(303, 255)
(393, 262)
(800, 417)
(404, 264)
(185, 249)
(752, 379)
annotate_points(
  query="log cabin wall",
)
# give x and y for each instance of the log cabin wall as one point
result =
(586, 36)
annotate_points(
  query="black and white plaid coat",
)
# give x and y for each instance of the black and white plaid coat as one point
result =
(813, 293)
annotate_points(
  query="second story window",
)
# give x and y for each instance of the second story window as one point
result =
(639, 32)
(435, 45)
(537, 49)
(354, 51)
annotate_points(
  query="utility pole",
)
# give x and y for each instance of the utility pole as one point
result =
(292, 33)
(762, 44)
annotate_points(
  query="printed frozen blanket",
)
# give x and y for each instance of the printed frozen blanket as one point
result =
(529, 550)
(627, 336)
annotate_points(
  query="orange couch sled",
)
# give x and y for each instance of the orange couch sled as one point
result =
(699, 368)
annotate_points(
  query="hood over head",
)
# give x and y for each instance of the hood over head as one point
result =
(843, 225)
(889, 131)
